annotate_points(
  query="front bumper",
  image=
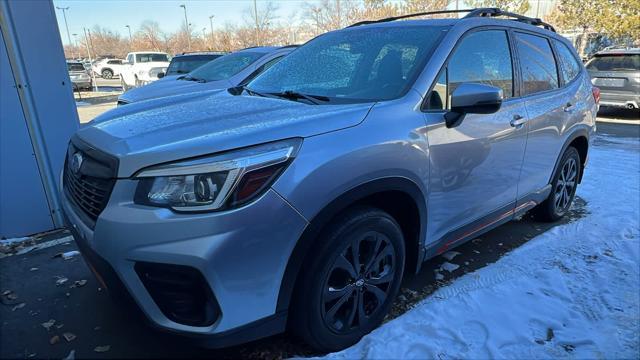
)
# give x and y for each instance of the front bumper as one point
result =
(242, 255)
(82, 84)
(619, 99)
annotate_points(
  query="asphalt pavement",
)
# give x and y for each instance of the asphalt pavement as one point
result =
(60, 317)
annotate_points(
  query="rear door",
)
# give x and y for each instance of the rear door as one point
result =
(475, 166)
(618, 77)
(552, 108)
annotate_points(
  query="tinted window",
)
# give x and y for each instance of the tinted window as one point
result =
(186, 64)
(359, 64)
(130, 59)
(539, 72)
(226, 66)
(151, 57)
(75, 67)
(482, 57)
(615, 62)
(570, 68)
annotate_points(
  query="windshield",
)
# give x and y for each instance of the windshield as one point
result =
(226, 66)
(75, 67)
(142, 58)
(186, 64)
(355, 65)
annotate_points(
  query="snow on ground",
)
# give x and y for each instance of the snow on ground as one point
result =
(572, 292)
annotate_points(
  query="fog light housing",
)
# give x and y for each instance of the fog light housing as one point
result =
(181, 293)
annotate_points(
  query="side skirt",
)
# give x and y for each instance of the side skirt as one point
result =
(478, 227)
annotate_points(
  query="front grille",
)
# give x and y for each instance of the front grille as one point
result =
(89, 185)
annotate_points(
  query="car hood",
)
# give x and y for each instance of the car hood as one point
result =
(169, 87)
(184, 126)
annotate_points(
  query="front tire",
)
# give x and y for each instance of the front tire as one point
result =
(563, 188)
(350, 281)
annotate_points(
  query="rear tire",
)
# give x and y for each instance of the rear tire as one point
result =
(107, 74)
(350, 280)
(563, 188)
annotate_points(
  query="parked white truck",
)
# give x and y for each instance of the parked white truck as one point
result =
(141, 68)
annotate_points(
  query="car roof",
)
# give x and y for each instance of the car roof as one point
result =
(619, 51)
(201, 53)
(148, 52)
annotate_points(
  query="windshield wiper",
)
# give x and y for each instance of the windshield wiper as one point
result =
(191, 78)
(293, 95)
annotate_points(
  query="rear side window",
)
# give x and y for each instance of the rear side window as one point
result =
(615, 62)
(539, 71)
(569, 66)
(482, 57)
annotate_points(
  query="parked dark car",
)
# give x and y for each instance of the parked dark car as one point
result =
(617, 73)
(186, 63)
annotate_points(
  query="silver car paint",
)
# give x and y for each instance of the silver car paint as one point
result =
(463, 173)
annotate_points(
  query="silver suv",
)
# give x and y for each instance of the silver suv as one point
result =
(301, 199)
(616, 72)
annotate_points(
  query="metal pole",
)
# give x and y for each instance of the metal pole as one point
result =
(538, 9)
(64, 15)
(32, 119)
(211, 24)
(75, 43)
(130, 37)
(255, 14)
(186, 22)
(86, 39)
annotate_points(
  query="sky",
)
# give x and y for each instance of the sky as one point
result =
(115, 14)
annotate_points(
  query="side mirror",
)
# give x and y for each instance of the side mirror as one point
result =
(160, 75)
(472, 98)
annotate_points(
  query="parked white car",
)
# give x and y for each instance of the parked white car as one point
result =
(108, 68)
(141, 68)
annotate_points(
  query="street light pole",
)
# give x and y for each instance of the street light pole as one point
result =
(64, 14)
(255, 14)
(186, 23)
(211, 24)
(75, 42)
(130, 38)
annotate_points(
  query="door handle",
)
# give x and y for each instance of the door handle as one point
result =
(568, 107)
(517, 120)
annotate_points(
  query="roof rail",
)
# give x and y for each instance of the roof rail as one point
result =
(492, 12)
(477, 12)
(394, 18)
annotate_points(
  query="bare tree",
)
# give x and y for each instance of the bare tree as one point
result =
(260, 20)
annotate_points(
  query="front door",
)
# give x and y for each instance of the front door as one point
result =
(475, 167)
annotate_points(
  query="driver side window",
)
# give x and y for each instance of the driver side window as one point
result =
(482, 57)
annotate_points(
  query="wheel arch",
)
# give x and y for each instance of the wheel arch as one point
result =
(580, 140)
(398, 196)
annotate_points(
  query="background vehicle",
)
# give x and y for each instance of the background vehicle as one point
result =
(617, 73)
(142, 68)
(185, 63)
(108, 68)
(302, 198)
(79, 76)
(224, 72)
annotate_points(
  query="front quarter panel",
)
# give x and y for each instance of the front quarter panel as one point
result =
(391, 142)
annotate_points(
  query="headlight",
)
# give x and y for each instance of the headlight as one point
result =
(216, 182)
